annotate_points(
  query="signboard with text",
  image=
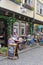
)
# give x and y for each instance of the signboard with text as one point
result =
(11, 51)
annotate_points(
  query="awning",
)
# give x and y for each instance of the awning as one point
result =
(38, 22)
(40, 26)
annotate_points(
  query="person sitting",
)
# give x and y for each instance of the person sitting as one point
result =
(22, 43)
(15, 36)
(10, 40)
(31, 41)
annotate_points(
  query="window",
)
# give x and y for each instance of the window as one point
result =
(16, 1)
(40, 11)
(22, 31)
(27, 1)
(39, 8)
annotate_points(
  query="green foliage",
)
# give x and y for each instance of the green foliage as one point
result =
(9, 22)
(41, 43)
(28, 6)
(30, 28)
(18, 1)
(37, 28)
(31, 8)
(4, 49)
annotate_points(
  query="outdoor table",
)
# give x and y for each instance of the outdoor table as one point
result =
(12, 51)
(1, 36)
(17, 41)
(2, 41)
(28, 41)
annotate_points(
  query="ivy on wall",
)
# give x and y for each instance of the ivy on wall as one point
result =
(9, 22)
(31, 25)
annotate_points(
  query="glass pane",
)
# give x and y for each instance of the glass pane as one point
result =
(22, 31)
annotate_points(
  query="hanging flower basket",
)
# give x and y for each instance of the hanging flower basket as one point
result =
(18, 1)
(28, 6)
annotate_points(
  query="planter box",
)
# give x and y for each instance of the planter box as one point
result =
(4, 54)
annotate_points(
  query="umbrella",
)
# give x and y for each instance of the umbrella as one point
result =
(40, 26)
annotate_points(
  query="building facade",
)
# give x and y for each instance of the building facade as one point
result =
(22, 10)
(38, 12)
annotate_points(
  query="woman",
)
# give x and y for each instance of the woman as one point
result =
(10, 40)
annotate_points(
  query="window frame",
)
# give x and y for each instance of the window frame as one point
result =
(39, 7)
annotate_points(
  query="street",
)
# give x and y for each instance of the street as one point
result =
(31, 57)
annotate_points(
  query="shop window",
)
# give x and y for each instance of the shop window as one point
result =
(16, 30)
(22, 31)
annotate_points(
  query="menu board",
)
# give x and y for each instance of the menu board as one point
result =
(11, 51)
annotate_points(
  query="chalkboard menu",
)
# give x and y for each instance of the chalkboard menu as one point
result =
(11, 51)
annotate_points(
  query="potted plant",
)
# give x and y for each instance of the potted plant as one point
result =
(4, 51)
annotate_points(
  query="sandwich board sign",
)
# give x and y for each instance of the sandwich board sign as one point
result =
(11, 51)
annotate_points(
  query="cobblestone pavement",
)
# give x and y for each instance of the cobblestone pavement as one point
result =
(32, 57)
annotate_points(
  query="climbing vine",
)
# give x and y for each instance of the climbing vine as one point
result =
(31, 27)
(9, 22)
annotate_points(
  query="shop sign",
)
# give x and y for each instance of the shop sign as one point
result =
(11, 51)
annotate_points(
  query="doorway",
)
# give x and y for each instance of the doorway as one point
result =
(3, 32)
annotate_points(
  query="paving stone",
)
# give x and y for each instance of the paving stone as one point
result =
(32, 57)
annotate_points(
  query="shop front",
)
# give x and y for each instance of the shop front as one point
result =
(20, 27)
(38, 26)
(3, 32)
(17, 21)
(5, 26)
